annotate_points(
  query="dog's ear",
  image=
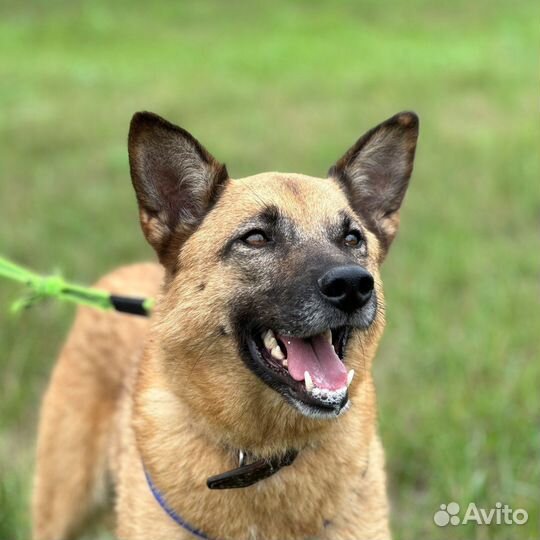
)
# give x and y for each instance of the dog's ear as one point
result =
(176, 181)
(375, 173)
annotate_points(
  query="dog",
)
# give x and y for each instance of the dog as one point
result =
(244, 408)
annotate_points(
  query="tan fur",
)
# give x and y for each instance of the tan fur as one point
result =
(188, 401)
(175, 419)
(76, 424)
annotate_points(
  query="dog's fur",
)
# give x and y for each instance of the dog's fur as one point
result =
(178, 394)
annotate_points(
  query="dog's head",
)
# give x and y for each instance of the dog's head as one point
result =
(272, 293)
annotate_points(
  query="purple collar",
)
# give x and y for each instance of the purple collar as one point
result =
(172, 514)
(243, 476)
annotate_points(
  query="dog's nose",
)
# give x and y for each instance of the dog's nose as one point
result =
(347, 287)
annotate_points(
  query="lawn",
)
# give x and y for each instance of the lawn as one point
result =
(289, 86)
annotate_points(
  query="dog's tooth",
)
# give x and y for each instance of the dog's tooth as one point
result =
(285, 363)
(277, 353)
(269, 340)
(328, 335)
(350, 376)
(308, 381)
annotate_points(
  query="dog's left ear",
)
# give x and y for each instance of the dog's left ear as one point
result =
(176, 181)
(375, 173)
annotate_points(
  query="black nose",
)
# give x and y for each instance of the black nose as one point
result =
(347, 287)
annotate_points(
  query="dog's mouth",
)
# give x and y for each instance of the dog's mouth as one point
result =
(309, 371)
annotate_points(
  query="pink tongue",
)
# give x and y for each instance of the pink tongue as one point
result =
(318, 357)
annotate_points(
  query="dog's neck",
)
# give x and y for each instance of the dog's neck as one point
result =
(181, 449)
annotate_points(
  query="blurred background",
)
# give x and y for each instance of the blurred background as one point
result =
(289, 86)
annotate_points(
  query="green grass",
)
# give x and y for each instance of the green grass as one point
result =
(289, 86)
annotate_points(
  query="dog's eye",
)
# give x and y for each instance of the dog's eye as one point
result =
(255, 238)
(353, 239)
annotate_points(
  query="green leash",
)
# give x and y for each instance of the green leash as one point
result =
(43, 287)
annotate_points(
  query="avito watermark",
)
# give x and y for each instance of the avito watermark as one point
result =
(500, 514)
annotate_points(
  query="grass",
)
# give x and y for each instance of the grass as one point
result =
(289, 86)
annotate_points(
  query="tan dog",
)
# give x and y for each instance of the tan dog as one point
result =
(270, 309)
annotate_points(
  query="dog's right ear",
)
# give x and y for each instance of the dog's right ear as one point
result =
(175, 178)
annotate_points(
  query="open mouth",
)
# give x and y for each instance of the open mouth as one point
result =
(311, 368)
